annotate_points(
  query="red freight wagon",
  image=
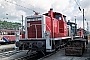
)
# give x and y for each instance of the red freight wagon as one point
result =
(8, 36)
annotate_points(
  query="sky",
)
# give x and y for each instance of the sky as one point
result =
(14, 9)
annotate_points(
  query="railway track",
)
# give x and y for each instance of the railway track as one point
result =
(22, 55)
(6, 55)
(49, 54)
(30, 56)
(16, 55)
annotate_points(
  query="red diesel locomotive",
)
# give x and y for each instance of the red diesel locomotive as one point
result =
(45, 32)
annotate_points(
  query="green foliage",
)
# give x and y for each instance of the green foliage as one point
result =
(9, 25)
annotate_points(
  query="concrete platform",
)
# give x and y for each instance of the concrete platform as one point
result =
(7, 47)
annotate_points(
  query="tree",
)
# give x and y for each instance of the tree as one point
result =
(9, 25)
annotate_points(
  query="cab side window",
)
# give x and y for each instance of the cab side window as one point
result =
(58, 17)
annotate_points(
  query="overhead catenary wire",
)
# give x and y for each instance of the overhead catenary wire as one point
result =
(79, 3)
(20, 6)
(76, 2)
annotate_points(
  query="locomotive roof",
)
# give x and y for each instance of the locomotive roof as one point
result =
(54, 13)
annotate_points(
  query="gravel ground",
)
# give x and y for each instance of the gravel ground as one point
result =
(60, 55)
